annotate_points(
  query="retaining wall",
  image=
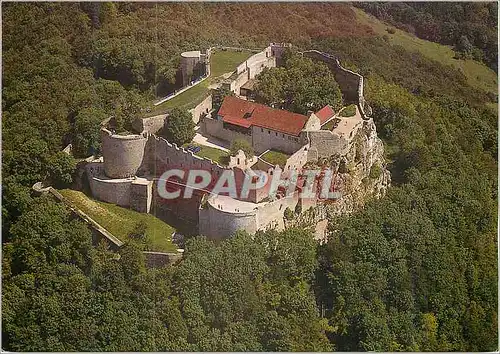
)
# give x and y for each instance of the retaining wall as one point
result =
(160, 259)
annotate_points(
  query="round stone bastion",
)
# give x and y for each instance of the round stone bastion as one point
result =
(122, 154)
(223, 215)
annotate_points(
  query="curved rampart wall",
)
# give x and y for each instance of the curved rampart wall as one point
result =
(218, 224)
(123, 155)
(271, 214)
(112, 191)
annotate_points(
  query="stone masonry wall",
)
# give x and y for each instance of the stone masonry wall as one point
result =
(240, 80)
(215, 128)
(141, 194)
(162, 155)
(150, 124)
(123, 155)
(297, 160)
(271, 214)
(217, 224)
(111, 191)
(264, 139)
(204, 107)
(324, 143)
(251, 68)
(350, 83)
(116, 191)
(257, 67)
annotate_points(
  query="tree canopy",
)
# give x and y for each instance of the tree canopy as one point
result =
(179, 128)
(301, 85)
(62, 294)
(240, 144)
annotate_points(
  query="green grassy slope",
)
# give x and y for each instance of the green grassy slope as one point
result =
(221, 62)
(478, 75)
(121, 221)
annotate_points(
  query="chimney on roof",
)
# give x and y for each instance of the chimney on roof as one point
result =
(248, 114)
(309, 112)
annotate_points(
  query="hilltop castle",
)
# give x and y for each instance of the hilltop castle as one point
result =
(128, 172)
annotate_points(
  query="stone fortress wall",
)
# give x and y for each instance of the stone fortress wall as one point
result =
(126, 157)
(110, 190)
(202, 109)
(123, 154)
(250, 68)
(149, 124)
(158, 156)
(162, 154)
(351, 84)
(323, 143)
(218, 219)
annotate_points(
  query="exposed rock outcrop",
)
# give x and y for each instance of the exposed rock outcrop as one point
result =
(361, 176)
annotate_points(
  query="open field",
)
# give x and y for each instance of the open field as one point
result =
(216, 155)
(225, 61)
(275, 157)
(478, 75)
(221, 62)
(121, 221)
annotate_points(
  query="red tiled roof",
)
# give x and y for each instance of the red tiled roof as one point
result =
(245, 114)
(325, 113)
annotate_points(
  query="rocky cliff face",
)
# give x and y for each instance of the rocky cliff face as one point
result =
(361, 175)
(362, 171)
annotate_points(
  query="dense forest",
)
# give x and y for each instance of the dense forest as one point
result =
(416, 270)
